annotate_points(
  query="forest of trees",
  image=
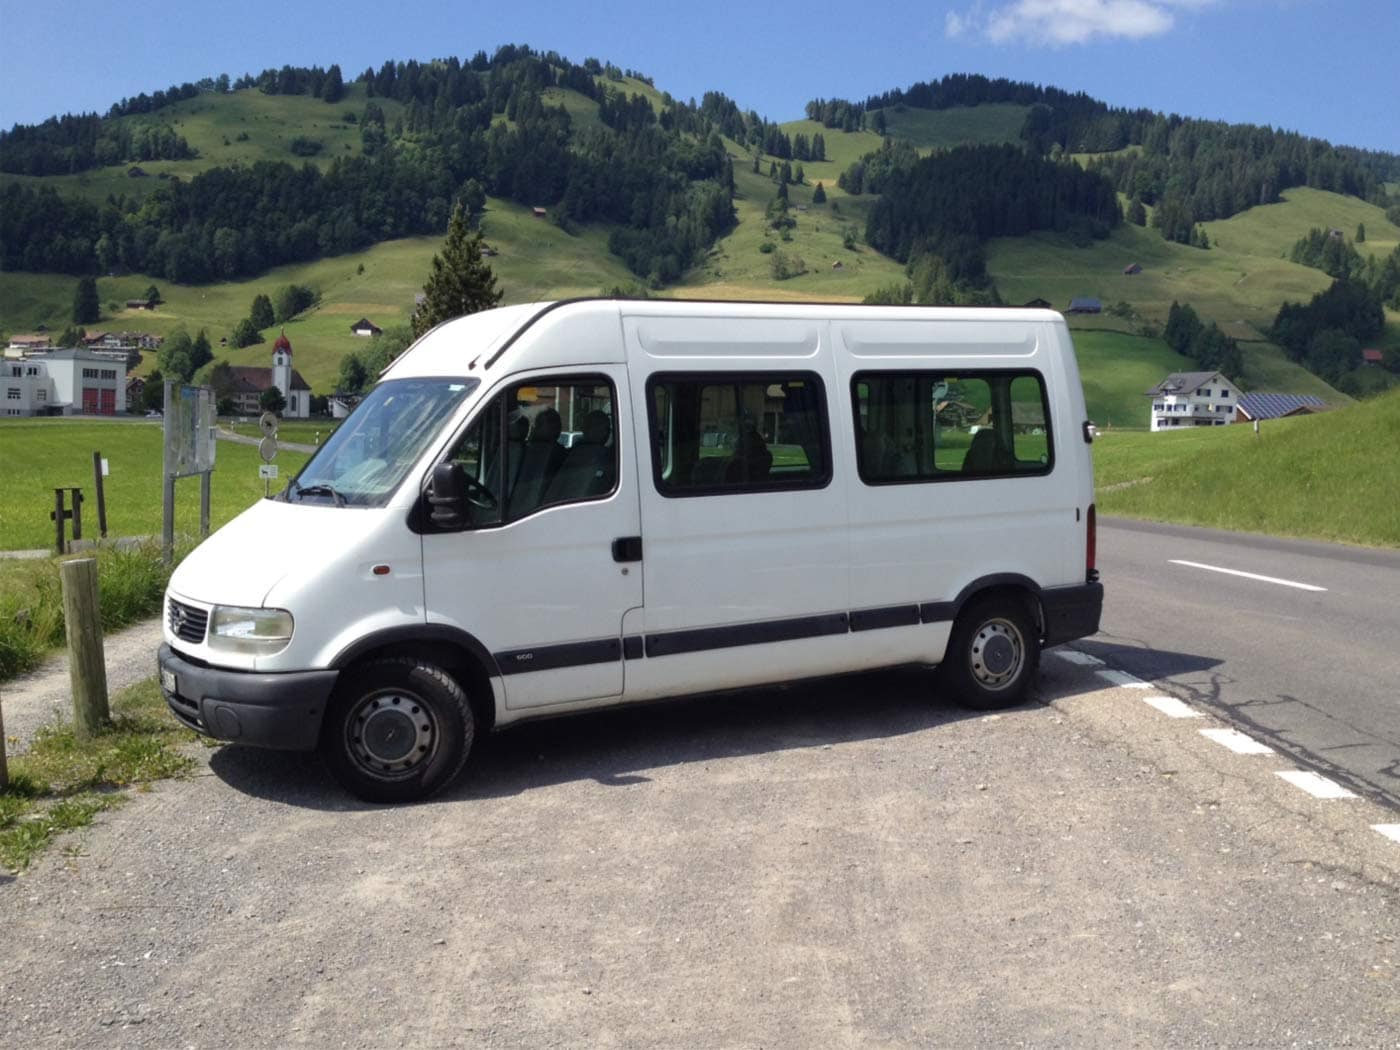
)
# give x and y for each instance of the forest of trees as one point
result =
(665, 180)
(1193, 171)
(947, 205)
(1207, 345)
(69, 144)
(1327, 334)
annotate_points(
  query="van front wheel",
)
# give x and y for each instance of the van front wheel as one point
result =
(993, 653)
(397, 730)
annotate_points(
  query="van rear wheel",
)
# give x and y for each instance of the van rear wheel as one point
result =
(993, 653)
(398, 730)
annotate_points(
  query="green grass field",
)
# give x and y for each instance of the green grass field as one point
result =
(39, 454)
(1329, 476)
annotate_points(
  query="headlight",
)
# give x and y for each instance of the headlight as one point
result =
(259, 632)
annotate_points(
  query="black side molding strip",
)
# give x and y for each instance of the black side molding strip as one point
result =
(1070, 612)
(890, 616)
(553, 657)
(674, 642)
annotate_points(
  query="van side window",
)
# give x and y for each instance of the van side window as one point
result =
(717, 434)
(541, 444)
(933, 426)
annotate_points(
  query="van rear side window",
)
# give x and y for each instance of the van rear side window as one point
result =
(750, 432)
(934, 426)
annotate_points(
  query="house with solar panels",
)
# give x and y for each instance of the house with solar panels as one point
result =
(1251, 407)
(1193, 399)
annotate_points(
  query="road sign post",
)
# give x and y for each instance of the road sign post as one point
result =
(267, 449)
(189, 429)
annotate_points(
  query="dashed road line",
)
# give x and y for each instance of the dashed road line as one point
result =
(1171, 707)
(1073, 656)
(1314, 784)
(1122, 679)
(1247, 575)
(1390, 831)
(1237, 741)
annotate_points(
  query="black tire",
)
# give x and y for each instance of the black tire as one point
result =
(993, 653)
(397, 730)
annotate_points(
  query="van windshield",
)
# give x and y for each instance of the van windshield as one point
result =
(369, 454)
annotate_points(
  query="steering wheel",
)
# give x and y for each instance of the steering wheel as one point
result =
(478, 495)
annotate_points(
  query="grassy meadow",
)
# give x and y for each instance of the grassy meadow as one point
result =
(36, 455)
(1329, 476)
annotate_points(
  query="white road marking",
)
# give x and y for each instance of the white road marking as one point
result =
(1390, 831)
(1074, 656)
(1171, 707)
(1122, 680)
(1315, 785)
(1247, 575)
(1237, 741)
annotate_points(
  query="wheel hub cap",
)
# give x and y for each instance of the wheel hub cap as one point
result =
(390, 734)
(997, 654)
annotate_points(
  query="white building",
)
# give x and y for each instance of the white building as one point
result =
(63, 382)
(250, 382)
(1193, 399)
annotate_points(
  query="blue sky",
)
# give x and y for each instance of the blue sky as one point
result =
(1329, 68)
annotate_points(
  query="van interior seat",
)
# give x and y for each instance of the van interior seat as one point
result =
(539, 462)
(985, 455)
(752, 458)
(587, 469)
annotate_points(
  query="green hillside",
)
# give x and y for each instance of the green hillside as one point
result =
(213, 125)
(1239, 283)
(990, 124)
(1329, 476)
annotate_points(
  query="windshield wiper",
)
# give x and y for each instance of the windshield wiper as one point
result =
(320, 490)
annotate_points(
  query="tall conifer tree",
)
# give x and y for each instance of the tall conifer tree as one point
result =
(460, 282)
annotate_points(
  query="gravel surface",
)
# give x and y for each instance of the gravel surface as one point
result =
(845, 863)
(46, 694)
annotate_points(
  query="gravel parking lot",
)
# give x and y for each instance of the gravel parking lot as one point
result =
(846, 863)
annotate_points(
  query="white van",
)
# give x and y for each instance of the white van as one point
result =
(751, 493)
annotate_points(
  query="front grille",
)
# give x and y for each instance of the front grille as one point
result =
(186, 622)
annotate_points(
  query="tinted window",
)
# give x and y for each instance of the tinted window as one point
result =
(932, 426)
(754, 432)
(542, 444)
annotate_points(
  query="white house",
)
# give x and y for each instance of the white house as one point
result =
(63, 382)
(1193, 399)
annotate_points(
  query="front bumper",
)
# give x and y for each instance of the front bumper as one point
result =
(281, 711)
(1071, 612)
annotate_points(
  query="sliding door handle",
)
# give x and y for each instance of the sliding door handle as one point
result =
(627, 548)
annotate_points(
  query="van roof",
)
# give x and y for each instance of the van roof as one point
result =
(472, 344)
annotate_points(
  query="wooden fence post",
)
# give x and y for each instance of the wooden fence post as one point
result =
(4, 768)
(87, 667)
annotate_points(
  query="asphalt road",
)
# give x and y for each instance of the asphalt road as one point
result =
(1314, 673)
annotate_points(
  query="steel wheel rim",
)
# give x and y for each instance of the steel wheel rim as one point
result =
(391, 734)
(997, 654)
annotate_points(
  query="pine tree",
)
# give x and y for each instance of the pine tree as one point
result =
(819, 195)
(460, 282)
(86, 308)
(1361, 233)
(261, 313)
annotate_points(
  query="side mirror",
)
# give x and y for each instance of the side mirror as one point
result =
(447, 497)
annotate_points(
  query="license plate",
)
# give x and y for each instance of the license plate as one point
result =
(167, 681)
